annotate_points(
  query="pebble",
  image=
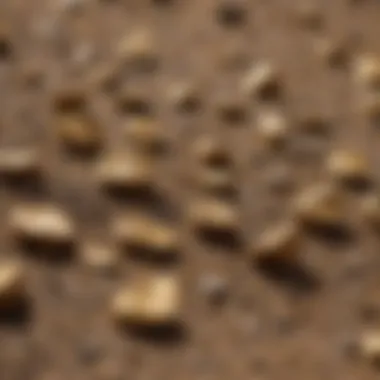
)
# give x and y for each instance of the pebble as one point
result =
(272, 128)
(369, 346)
(347, 166)
(145, 134)
(138, 48)
(185, 97)
(279, 242)
(210, 152)
(151, 301)
(79, 132)
(99, 256)
(42, 222)
(262, 81)
(125, 171)
(19, 161)
(367, 71)
(320, 205)
(214, 215)
(12, 283)
(146, 234)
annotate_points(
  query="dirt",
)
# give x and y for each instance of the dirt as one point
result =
(266, 327)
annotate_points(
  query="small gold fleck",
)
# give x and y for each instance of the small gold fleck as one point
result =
(147, 235)
(151, 301)
(19, 161)
(262, 81)
(125, 171)
(42, 222)
(367, 71)
(320, 205)
(369, 346)
(348, 166)
(98, 255)
(272, 127)
(214, 215)
(279, 242)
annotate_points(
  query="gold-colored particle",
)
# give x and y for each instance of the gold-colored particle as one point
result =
(125, 171)
(262, 81)
(77, 128)
(99, 256)
(146, 234)
(279, 242)
(12, 283)
(19, 161)
(320, 205)
(151, 301)
(145, 134)
(348, 166)
(138, 48)
(80, 132)
(272, 127)
(42, 222)
(369, 346)
(214, 215)
(367, 71)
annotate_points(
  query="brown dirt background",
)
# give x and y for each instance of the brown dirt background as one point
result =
(265, 330)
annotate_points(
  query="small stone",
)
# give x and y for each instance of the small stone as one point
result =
(348, 167)
(138, 49)
(125, 171)
(214, 288)
(80, 132)
(151, 301)
(214, 215)
(369, 346)
(262, 81)
(42, 222)
(185, 98)
(210, 152)
(77, 128)
(19, 161)
(280, 242)
(145, 134)
(99, 256)
(320, 205)
(12, 283)
(367, 71)
(272, 128)
(145, 234)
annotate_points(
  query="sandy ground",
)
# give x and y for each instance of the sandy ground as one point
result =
(265, 329)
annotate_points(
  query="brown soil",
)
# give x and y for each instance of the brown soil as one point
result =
(294, 326)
